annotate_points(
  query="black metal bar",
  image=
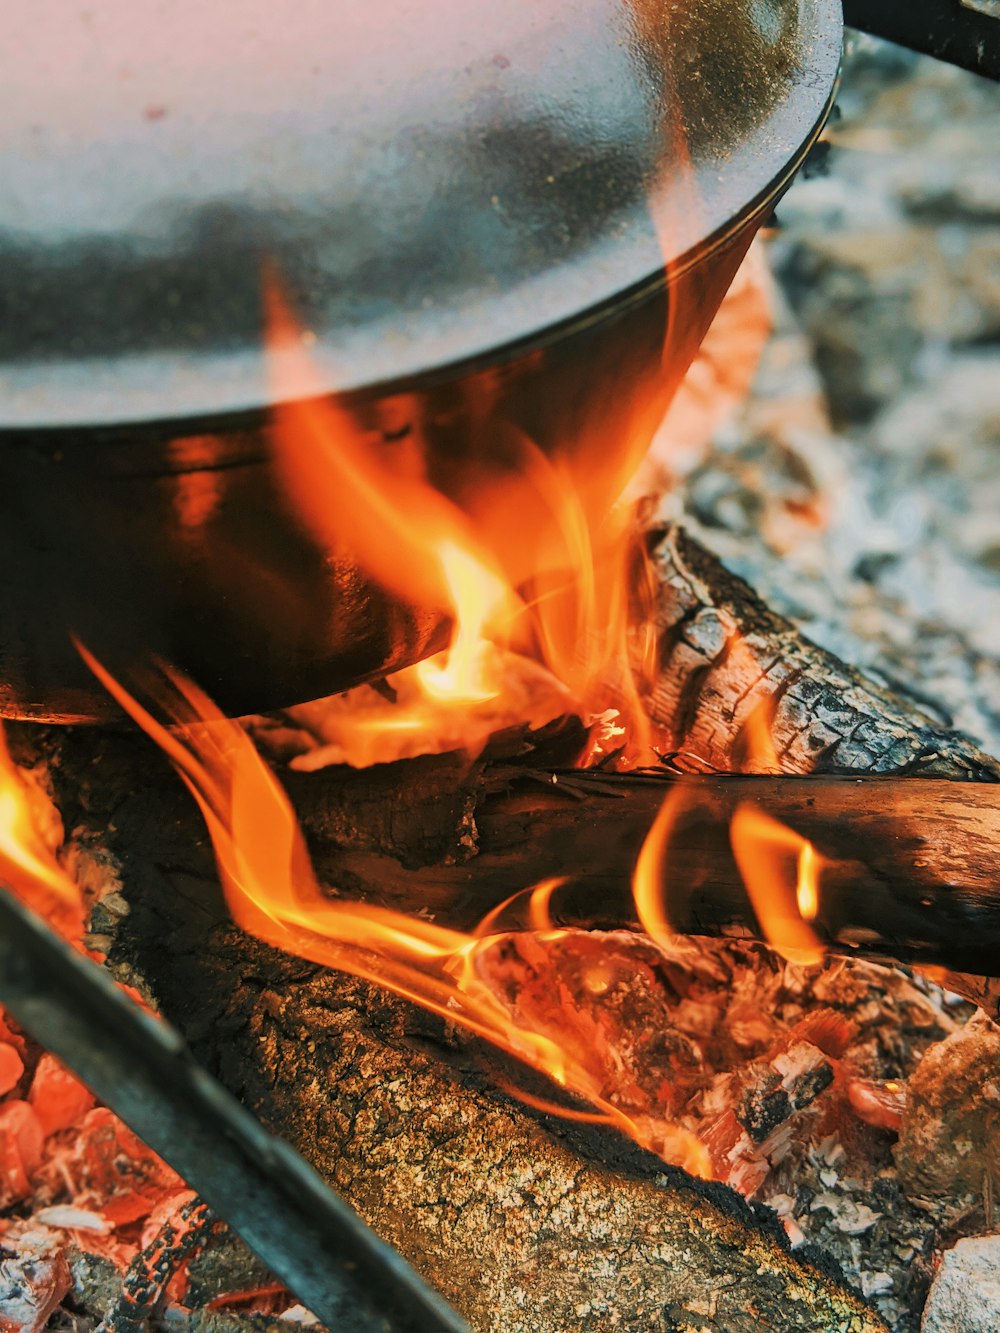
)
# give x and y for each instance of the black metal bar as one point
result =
(964, 34)
(140, 1067)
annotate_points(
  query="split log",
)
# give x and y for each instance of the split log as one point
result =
(522, 1221)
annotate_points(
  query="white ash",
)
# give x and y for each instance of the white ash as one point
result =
(857, 489)
(829, 1175)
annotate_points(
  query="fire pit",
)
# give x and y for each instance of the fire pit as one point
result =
(535, 926)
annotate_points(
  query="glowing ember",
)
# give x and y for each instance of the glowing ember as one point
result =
(85, 1179)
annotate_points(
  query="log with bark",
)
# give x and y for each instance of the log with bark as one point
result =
(905, 871)
(521, 1220)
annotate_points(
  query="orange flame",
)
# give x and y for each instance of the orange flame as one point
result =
(650, 875)
(762, 847)
(807, 883)
(377, 508)
(781, 870)
(462, 673)
(539, 912)
(536, 586)
(273, 893)
(28, 867)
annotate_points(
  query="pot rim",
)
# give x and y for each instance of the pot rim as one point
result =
(159, 316)
(251, 417)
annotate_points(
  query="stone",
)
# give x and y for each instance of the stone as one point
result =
(949, 1141)
(965, 1295)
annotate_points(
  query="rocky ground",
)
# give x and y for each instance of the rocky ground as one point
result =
(858, 488)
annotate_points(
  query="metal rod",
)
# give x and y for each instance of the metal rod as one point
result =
(140, 1067)
(962, 32)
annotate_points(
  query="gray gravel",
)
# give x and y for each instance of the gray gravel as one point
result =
(858, 489)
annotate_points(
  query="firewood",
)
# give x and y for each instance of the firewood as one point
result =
(724, 655)
(904, 875)
(520, 1219)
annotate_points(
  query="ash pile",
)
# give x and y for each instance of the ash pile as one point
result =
(858, 490)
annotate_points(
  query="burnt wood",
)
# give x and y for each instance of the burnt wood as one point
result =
(909, 869)
(725, 656)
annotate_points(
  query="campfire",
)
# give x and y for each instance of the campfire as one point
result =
(595, 951)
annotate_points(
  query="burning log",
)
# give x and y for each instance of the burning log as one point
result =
(518, 1219)
(902, 872)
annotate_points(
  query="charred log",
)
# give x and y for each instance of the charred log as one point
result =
(903, 871)
(724, 654)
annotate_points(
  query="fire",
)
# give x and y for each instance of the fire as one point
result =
(651, 874)
(461, 674)
(784, 903)
(534, 574)
(28, 867)
(807, 883)
(541, 584)
(273, 893)
(762, 847)
(464, 977)
(781, 870)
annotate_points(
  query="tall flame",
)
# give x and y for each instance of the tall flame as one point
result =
(536, 586)
(477, 595)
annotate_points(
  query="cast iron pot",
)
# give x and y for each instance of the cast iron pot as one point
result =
(490, 221)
